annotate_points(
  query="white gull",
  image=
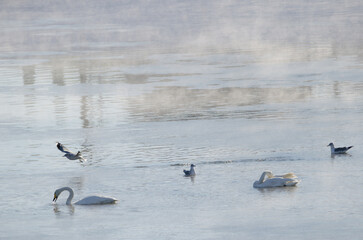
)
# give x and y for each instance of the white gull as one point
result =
(339, 150)
(70, 155)
(191, 172)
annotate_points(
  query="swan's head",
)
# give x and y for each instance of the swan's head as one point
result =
(330, 145)
(56, 195)
(268, 174)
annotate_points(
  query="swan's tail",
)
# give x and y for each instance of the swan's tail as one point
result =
(289, 175)
(292, 183)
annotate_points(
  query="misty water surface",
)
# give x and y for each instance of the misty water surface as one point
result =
(145, 88)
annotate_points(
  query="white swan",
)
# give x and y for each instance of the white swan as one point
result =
(339, 150)
(191, 172)
(70, 155)
(91, 200)
(285, 180)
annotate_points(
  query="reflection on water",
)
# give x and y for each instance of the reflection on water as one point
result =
(266, 192)
(66, 209)
(76, 183)
(184, 103)
(192, 178)
(157, 95)
(29, 74)
(30, 103)
(332, 155)
(84, 111)
(82, 74)
(88, 150)
(60, 108)
(58, 74)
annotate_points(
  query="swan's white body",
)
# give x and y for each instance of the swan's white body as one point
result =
(191, 172)
(286, 180)
(91, 200)
(339, 150)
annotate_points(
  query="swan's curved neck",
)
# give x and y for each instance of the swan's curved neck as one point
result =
(262, 178)
(70, 197)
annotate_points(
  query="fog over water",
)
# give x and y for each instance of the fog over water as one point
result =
(145, 88)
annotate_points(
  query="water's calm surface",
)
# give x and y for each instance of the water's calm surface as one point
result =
(144, 88)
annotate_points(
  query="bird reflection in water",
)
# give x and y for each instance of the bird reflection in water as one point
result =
(333, 155)
(192, 179)
(58, 211)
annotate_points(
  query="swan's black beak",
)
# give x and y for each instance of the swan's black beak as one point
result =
(55, 198)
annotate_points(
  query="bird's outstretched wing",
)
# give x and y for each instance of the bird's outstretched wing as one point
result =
(63, 148)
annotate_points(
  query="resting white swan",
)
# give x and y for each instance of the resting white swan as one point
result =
(285, 180)
(91, 200)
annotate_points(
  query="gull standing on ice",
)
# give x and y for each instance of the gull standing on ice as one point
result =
(191, 172)
(70, 155)
(339, 150)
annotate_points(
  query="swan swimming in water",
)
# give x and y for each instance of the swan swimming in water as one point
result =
(285, 180)
(340, 150)
(70, 155)
(90, 200)
(191, 172)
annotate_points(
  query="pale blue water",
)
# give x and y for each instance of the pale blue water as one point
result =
(145, 88)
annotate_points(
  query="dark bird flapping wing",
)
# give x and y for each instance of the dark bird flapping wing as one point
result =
(63, 148)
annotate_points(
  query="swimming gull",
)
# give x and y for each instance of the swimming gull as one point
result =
(191, 172)
(70, 155)
(339, 150)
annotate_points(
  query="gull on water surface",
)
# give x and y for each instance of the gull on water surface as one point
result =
(70, 155)
(191, 172)
(286, 180)
(90, 200)
(339, 150)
